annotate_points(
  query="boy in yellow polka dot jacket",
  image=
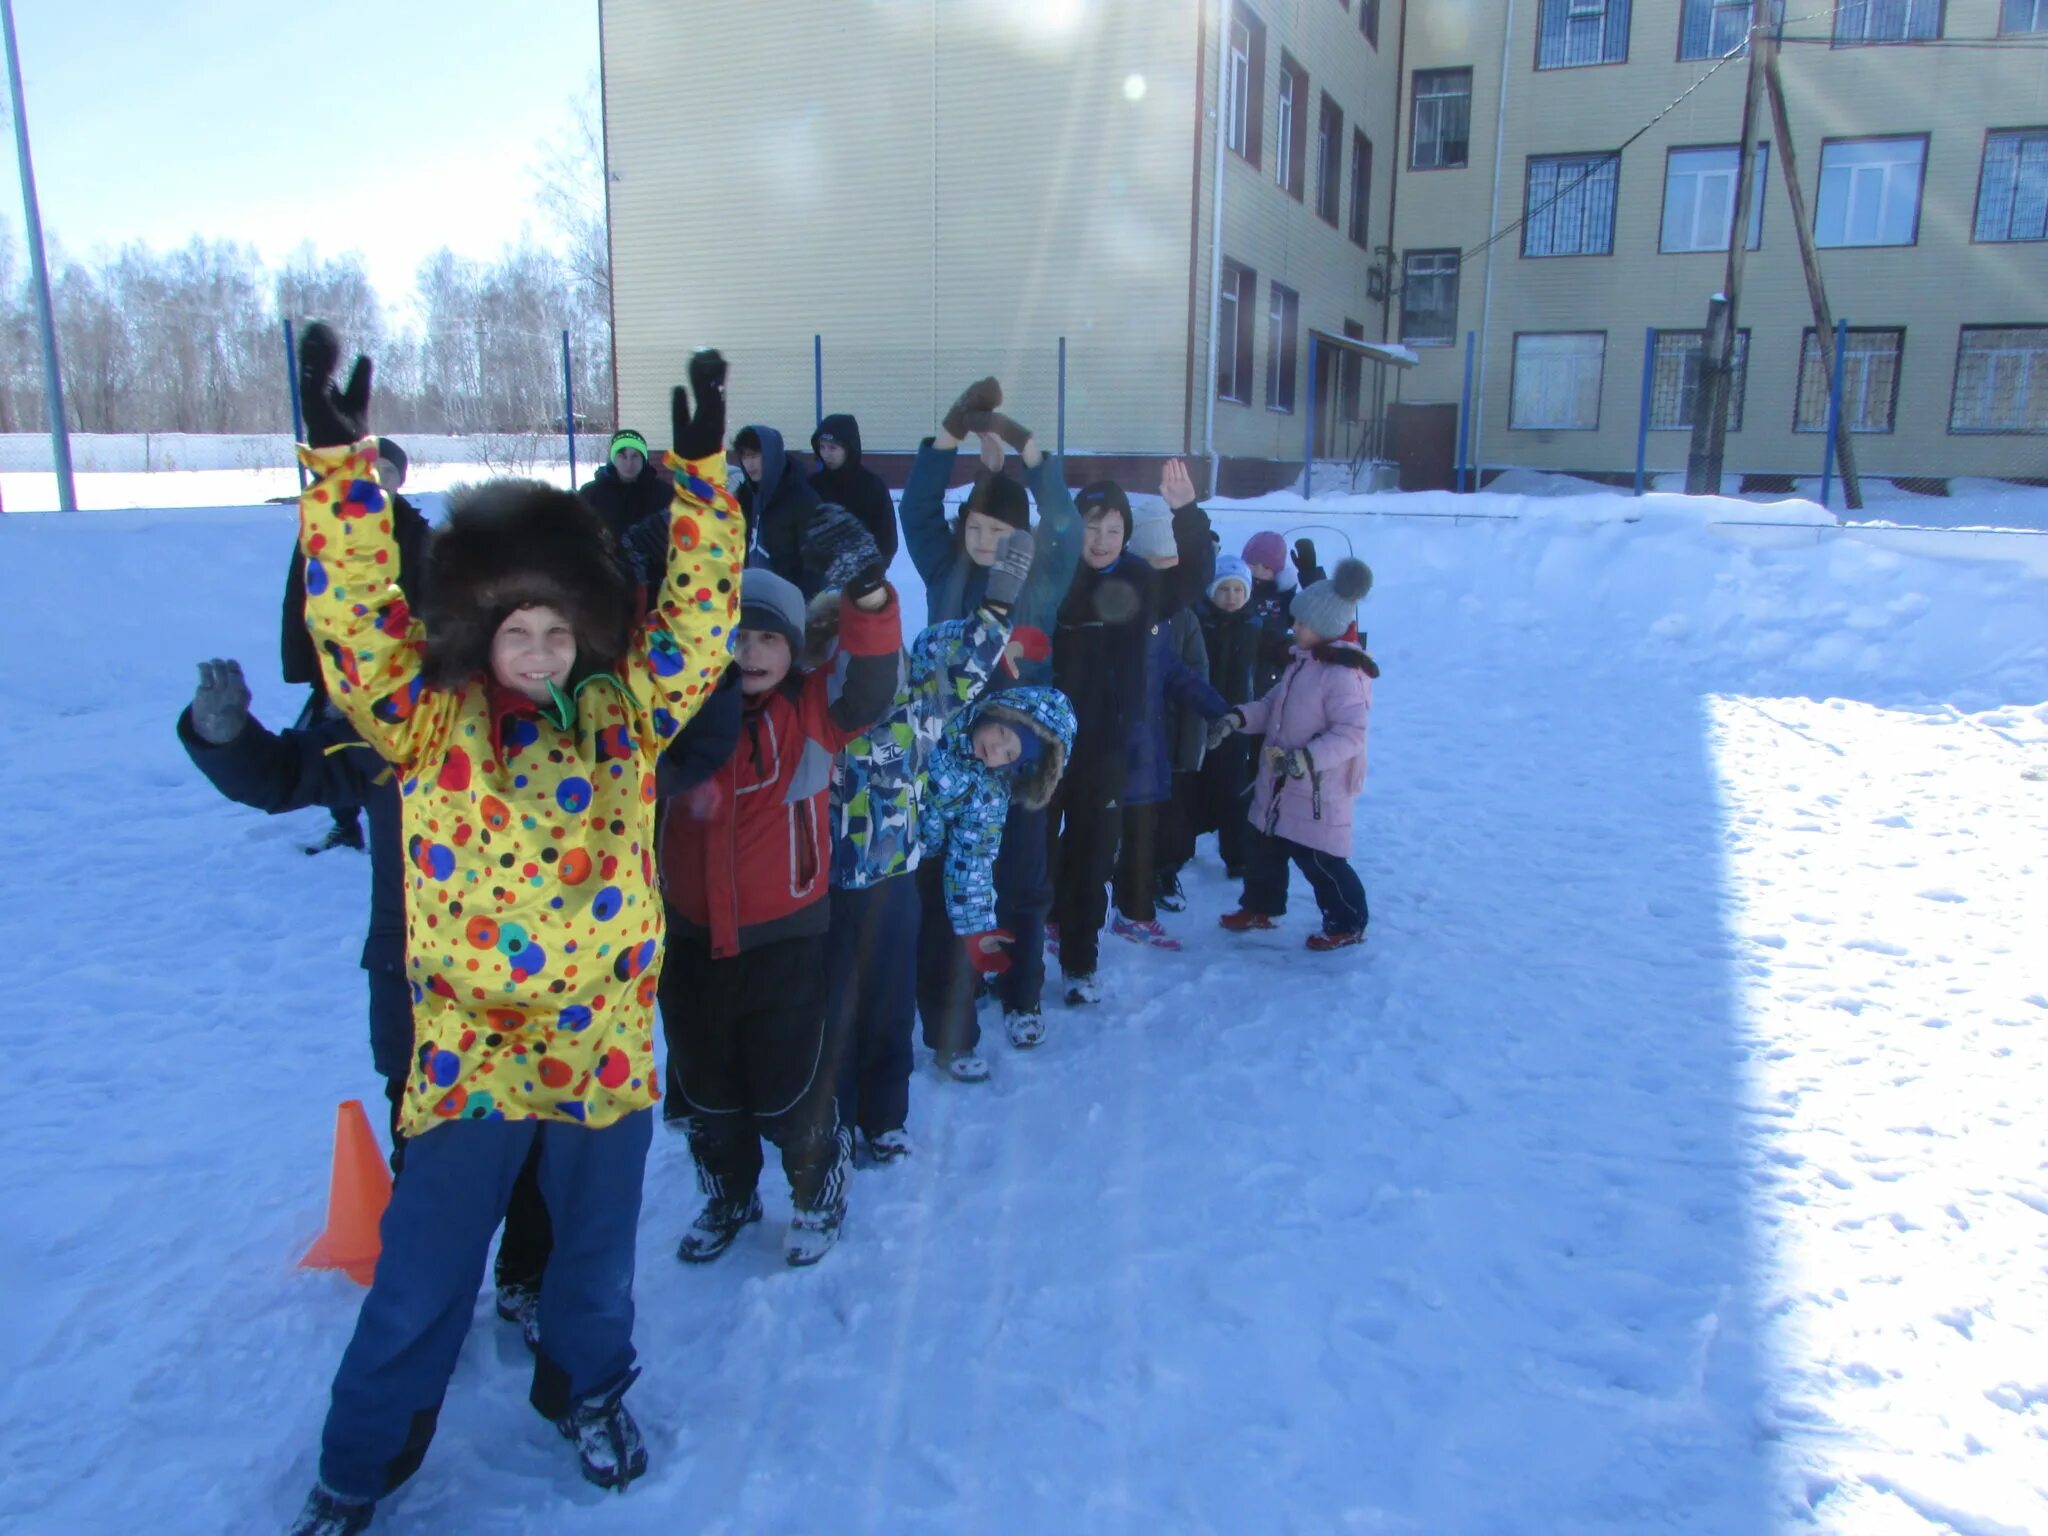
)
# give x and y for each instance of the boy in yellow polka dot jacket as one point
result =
(524, 718)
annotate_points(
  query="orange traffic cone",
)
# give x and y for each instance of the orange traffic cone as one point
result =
(356, 1196)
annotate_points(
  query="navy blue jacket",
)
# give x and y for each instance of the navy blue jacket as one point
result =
(778, 510)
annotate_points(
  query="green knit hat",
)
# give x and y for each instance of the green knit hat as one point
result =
(625, 438)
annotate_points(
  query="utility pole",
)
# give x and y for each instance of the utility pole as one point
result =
(1717, 344)
(39, 274)
(1816, 289)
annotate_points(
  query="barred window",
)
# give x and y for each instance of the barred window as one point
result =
(1887, 21)
(1712, 29)
(1675, 380)
(1870, 381)
(2001, 380)
(1574, 32)
(1570, 205)
(1557, 380)
(1429, 298)
(2012, 187)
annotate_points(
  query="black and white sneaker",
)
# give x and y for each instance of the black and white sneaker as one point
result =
(961, 1066)
(328, 1514)
(715, 1228)
(521, 1304)
(812, 1234)
(340, 836)
(1026, 1028)
(1167, 895)
(607, 1440)
(1083, 990)
(889, 1147)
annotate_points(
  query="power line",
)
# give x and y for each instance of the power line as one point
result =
(2017, 44)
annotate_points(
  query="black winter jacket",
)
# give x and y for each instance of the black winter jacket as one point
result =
(778, 511)
(854, 486)
(623, 503)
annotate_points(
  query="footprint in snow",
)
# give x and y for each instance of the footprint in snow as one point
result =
(1942, 895)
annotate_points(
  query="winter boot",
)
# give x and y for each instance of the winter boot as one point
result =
(715, 1228)
(889, 1147)
(328, 1514)
(1147, 932)
(1167, 895)
(607, 1440)
(1082, 989)
(1321, 942)
(812, 1232)
(1242, 921)
(961, 1066)
(340, 835)
(1027, 1028)
(521, 1304)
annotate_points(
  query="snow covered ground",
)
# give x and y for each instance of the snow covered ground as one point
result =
(1670, 1159)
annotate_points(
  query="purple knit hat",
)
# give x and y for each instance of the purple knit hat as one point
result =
(1267, 549)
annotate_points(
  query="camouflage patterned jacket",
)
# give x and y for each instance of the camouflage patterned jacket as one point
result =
(878, 779)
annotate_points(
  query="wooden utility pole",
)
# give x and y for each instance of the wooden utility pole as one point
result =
(1717, 344)
(1816, 289)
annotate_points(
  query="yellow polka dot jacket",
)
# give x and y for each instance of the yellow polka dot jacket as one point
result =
(533, 919)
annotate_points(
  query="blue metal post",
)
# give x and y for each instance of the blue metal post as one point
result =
(1308, 447)
(818, 375)
(291, 382)
(569, 406)
(1061, 438)
(1465, 414)
(1643, 417)
(1827, 454)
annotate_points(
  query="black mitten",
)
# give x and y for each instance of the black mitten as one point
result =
(334, 418)
(1305, 557)
(981, 395)
(704, 433)
(995, 421)
(836, 547)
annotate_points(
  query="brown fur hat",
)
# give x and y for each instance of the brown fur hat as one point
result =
(510, 544)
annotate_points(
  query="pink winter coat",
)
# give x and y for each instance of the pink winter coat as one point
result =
(1320, 705)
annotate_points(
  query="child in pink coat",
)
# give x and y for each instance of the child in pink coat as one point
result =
(1312, 765)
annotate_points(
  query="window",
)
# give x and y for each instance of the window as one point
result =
(2023, 16)
(1870, 382)
(1887, 21)
(1283, 316)
(2001, 380)
(1570, 207)
(1574, 32)
(1290, 152)
(1361, 190)
(2012, 188)
(1557, 381)
(1235, 302)
(1699, 197)
(1369, 20)
(1429, 298)
(1675, 380)
(1437, 137)
(1245, 84)
(1712, 29)
(1329, 160)
(1870, 191)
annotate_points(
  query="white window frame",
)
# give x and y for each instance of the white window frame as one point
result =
(1699, 189)
(1283, 348)
(1870, 352)
(1438, 102)
(1724, 25)
(1283, 140)
(1916, 21)
(2000, 187)
(2021, 367)
(1573, 34)
(1549, 390)
(2020, 18)
(1681, 356)
(1329, 162)
(1238, 135)
(1443, 264)
(1867, 174)
(1231, 317)
(1562, 198)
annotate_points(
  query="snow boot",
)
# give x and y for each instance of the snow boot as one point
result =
(328, 1514)
(1147, 932)
(1167, 895)
(1082, 989)
(521, 1304)
(812, 1233)
(340, 836)
(607, 1440)
(889, 1147)
(961, 1066)
(1321, 942)
(715, 1228)
(1027, 1028)
(1242, 921)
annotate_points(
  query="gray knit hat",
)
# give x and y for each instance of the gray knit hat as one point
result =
(768, 602)
(1330, 607)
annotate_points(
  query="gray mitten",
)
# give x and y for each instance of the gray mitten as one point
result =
(220, 705)
(1224, 726)
(837, 548)
(1012, 565)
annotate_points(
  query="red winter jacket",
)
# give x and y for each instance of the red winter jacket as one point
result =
(757, 866)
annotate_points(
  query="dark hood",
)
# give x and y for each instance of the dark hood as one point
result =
(843, 429)
(774, 458)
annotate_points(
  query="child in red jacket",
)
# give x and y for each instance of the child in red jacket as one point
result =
(746, 867)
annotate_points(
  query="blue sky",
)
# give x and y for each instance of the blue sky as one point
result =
(388, 127)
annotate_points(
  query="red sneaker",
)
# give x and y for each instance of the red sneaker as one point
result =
(1325, 941)
(1242, 921)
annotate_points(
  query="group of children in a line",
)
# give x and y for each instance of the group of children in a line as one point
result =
(618, 758)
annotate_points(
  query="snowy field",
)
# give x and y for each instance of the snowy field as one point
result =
(1670, 1159)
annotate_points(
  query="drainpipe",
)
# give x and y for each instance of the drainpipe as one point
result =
(1216, 231)
(1500, 131)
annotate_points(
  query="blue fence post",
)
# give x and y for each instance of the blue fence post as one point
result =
(1060, 436)
(569, 407)
(1827, 453)
(818, 375)
(1465, 414)
(1308, 447)
(1643, 417)
(291, 380)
